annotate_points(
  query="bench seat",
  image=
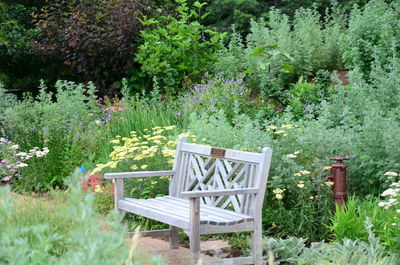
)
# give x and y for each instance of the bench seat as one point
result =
(176, 211)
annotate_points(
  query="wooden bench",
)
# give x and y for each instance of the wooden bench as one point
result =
(212, 191)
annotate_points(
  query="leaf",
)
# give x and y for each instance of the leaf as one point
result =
(287, 68)
(248, 71)
(257, 52)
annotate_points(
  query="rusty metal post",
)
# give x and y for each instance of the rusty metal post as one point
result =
(338, 178)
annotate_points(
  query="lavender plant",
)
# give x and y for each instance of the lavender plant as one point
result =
(217, 93)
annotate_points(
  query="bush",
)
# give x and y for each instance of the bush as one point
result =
(62, 231)
(294, 251)
(281, 52)
(217, 93)
(67, 127)
(373, 34)
(20, 69)
(179, 48)
(95, 38)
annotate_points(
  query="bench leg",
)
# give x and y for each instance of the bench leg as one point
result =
(173, 238)
(118, 194)
(257, 243)
(194, 230)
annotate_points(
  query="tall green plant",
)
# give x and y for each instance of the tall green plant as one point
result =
(373, 35)
(179, 48)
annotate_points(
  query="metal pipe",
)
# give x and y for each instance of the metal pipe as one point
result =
(338, 178)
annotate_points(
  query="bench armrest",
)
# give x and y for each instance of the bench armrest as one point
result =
(213, 193)
(139, 174)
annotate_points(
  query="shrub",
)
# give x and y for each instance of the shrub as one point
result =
(62, 231)
(13, 160)
(215, 94)
(294, 251)
(178, 48)
(95, 38)
(20, 69)
(373, 34)
(140, 114)
(67, 127)
(281, 52)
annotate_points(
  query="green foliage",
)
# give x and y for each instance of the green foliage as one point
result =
(294, 251)
(61, 232)
(225, 13)
(348, 222)
(94, 38)
(279, 51)
(230, 95)
(19, 68)
(373, 35)
(306, 97)
(65, 127)
(178, 48)
(141, 114)
(284, 250)
(6, 101)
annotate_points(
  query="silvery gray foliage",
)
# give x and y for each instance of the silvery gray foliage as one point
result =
(90, 241)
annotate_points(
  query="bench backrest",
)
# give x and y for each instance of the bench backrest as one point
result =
(201, 167)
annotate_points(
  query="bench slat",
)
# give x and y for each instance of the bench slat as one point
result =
(145, 211)
(210, 209)
(171, 207)
(212, 216)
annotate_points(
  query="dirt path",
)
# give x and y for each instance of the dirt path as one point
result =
(180, 256)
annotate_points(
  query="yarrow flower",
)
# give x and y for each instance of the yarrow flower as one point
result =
(329, 183)
(391, 174)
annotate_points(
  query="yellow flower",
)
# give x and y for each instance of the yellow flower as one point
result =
(271, 127)
(98, 189)
(169, 127)
(143, 167)
(312, 197)
(329, 183)
(287, 126)
(279, 196)
(300, 185)
(280, 132)
(115, 141)
(153, 182)
(327, 168)
(278, 191)
(297, 174)
(305, 172)
(134, 167)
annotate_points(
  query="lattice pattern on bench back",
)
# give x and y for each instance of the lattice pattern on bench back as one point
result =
(197, 169)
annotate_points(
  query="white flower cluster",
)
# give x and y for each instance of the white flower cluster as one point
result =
(294, 155)
(32, 153)
(393, 195)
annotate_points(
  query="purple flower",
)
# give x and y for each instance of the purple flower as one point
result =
(6, 178)
(199, 116)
